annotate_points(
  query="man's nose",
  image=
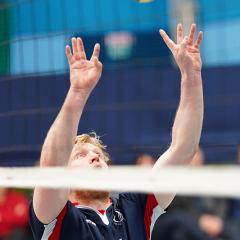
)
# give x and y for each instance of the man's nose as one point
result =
(94, 158)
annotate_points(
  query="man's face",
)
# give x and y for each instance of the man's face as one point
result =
(87, 156)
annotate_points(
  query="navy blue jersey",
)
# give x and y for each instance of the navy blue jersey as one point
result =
(131, 217)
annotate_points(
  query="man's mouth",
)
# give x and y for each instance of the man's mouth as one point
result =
(97, 166)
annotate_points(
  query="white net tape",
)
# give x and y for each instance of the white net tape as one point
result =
(214, 181)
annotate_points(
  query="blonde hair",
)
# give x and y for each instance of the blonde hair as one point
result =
(94, 139)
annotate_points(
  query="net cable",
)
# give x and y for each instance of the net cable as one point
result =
(219, 181)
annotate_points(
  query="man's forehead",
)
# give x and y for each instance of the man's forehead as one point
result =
(79, 146)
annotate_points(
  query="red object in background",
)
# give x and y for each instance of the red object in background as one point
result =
(13, 213)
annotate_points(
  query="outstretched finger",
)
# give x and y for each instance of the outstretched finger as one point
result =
(69, 55)
(75, 48)
(96, 51)
(179, 33)
(192, 34)
(81, 50)
(199, 40)
(183, 45)
(167, 40)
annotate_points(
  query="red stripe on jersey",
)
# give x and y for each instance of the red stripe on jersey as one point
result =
(151, 204)
(102, 211)
(56, 231)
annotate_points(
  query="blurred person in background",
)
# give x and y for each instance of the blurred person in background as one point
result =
(198, 218)
(144, 159)
(214, 214)
(14, 224)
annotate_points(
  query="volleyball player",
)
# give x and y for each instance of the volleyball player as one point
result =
(70, 214)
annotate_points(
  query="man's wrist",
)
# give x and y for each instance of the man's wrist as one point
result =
(191, 73)
(76, 98)
(192, 78)
(76, 92)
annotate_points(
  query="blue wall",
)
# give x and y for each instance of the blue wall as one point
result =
(134, 109)
(134, 104)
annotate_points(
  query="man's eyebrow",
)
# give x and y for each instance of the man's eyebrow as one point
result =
(78, 150)
(97, 149)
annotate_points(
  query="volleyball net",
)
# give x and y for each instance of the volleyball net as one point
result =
(219, 181)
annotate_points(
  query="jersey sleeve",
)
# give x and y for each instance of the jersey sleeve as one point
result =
(147, 204)
(49, 231)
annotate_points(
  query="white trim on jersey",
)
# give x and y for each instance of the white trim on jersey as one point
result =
(48, 229)
(103, 217)
(157, 211)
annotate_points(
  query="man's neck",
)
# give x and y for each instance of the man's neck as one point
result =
(93, 199)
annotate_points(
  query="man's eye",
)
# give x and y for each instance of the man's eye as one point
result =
(80, 156)
(99, 155)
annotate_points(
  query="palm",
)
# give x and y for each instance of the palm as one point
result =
(84, 74)
(191, 59)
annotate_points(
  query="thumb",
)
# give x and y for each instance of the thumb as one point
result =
(183, 45)
(96, 62)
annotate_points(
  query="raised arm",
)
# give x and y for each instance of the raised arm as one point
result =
(188, 121)
(59, 142)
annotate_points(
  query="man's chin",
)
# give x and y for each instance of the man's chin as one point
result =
(93, 195)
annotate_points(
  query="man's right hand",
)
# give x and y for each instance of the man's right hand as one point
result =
(84, 74)
(186, 54)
